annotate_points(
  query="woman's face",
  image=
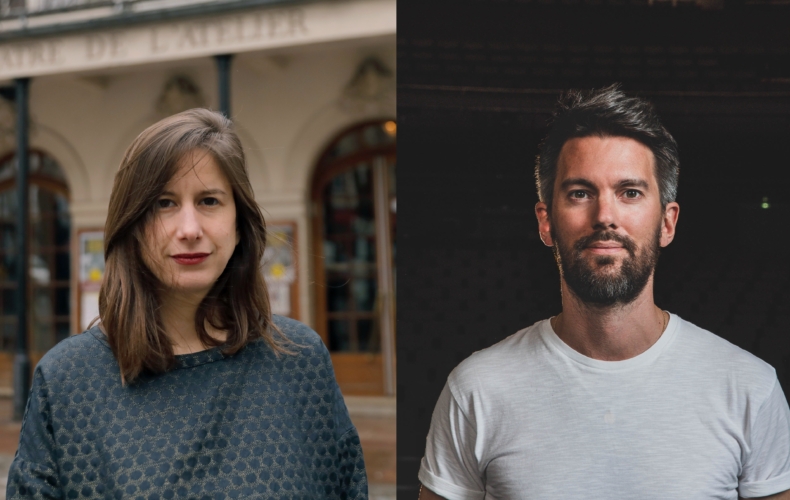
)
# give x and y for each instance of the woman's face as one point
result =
(193, 233)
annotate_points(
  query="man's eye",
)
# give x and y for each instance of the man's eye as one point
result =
(164, 203)
(210, 201)
(578, 194)
(632, 193)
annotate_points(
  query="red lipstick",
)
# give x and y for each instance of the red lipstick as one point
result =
(190, 259)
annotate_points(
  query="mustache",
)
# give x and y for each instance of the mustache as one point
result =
(586, 241)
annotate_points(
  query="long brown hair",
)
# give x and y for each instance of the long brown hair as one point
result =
(128, 301)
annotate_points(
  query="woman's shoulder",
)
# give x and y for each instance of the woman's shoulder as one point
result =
(298, 333)
(76, 351)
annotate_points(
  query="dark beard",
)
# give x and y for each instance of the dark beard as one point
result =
(596, 287)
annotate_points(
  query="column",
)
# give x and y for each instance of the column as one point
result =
(21, 359)
(223, 72)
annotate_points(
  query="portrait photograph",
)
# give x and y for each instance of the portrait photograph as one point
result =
(481, 84)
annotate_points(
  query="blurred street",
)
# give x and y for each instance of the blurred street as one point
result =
(373, 417)
(9, 439)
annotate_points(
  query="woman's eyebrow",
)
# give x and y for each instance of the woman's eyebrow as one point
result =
(202, 193)
(212, 191)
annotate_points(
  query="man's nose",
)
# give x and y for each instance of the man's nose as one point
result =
(605, 216)
(189, 226)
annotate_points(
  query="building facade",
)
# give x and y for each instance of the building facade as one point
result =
(312, 96)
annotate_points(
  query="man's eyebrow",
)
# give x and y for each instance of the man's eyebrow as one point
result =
(641, 183)
(580, 181)
(577, 181)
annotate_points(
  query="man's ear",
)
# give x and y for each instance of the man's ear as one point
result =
(669, 222)
(544, 224)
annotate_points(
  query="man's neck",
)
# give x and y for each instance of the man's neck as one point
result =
(610, 333)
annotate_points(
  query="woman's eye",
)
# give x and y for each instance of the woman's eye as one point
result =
(164, 203)
(210, 201)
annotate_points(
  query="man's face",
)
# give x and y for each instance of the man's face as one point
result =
(606, 224)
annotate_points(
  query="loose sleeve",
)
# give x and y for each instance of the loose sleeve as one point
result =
(352, 478)
(450, 467)
(33, 473)
(349, 478)
(766, 469)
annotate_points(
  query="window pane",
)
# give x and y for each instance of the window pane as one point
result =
(61, 330)
(8, 332)
(62, 221)
(62, 266)
(368, 337)
(62, 301)
(364, 294)
(337, 294)
(8, 301)
(49, 258)
(7, 266)
(349, 252)
(339, 335)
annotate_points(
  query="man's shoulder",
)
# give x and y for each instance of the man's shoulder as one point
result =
(515, 352)
(704, 350)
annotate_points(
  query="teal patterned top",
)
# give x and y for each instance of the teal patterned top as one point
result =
(249, 425)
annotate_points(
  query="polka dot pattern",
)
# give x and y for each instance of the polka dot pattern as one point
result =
(250, 425)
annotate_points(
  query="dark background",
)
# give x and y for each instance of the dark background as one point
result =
(477, 81)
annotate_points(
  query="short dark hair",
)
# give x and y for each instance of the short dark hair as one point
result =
(607, 112)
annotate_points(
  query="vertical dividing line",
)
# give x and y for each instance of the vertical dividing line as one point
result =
(385, 278)
(21, 359)
(223, 74)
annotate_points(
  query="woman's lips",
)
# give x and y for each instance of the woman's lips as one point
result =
(190, 259)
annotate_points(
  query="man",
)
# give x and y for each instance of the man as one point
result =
(613, 398)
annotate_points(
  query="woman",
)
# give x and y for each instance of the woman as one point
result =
(188, 388)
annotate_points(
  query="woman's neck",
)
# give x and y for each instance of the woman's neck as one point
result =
(178, 319)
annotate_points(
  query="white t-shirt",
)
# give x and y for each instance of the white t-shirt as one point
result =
(693, 417)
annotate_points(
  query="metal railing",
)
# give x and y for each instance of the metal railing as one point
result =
(24, 8)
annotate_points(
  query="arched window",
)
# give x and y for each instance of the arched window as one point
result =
(49, 293)
(354, 243)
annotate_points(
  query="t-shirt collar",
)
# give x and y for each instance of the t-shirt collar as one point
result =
(554, 342)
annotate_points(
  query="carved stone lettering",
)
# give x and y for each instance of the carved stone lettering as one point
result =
(165, 40)
(192, 35)
(159, 42)
(238, 28)
(11, 57)
(117, 45)
(36, 55)
(223, 31)
(95, 47)
(257, 26)
(297, 22)
(104, 46)
(30, 55)
(53, 52)
(276, 24)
